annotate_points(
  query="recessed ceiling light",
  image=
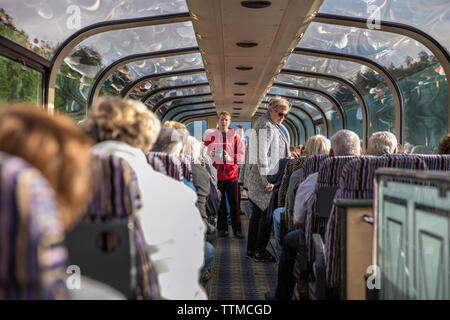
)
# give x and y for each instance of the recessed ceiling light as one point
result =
(256, 4)
(241, 83)
(244, 68)
(239, 94)
(246, 44)
(238, 102)
(237, 108)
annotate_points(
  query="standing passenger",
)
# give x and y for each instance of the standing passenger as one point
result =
(266, 147)
(227, 150)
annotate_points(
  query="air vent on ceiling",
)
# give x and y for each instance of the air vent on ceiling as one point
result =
(244, 68)
(238, 102)
(246, 44)
(239, 94)
(256, 4)
(241, 83)
(237, 108)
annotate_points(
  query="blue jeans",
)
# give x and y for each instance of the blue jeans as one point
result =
(276, 227)
(210, 253)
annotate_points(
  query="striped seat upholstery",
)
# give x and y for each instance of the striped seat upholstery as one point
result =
(329, 174)
(313, 163)
(186, 164)
(117, 198)
(310, 165)
(166, 163)
(291, 166)
(440, 162)
(357, 183)
(32, 256)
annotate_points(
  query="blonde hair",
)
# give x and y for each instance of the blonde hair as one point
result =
(180, 129)
(55, 146)
(122, 120)
(277, 102)
(193, 148)
(381, 142)
(316, 145)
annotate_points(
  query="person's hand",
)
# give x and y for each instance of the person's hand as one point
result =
(294, 155)
(269, 187)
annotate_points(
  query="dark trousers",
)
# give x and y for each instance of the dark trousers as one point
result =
(230, 189)
(286, 279)
(258, 230)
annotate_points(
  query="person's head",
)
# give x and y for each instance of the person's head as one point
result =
(278, 109)
(169, 141)
(316, 145)
(193, 148)
(127, 121)
(180, 128)
(223, 121)
(382, 142)
(55, 146)
(345, 143)
(444, 145)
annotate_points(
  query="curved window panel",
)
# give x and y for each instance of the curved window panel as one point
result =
(431, 16)
(19, 83)
(193, 110)
(128, 73)
(373, 88)
(409, 62)
(308, 125)
(167, 111)
(177, 93)
(43, 25)
(94, 54)
(342, 94)
(175, 81)
(72, 91)
(330, 112)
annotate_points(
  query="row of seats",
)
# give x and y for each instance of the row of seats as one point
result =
(345, 177)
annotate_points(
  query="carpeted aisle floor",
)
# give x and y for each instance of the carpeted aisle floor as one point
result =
(235, 277)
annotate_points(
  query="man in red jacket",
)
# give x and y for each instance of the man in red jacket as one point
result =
(226, 149)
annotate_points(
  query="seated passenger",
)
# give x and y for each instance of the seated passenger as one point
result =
(444, 145)
(55, 146)
(343, 143)
(381, 142)
(315, 145)
(173, 230)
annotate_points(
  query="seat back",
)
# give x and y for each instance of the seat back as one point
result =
(439, 162)
(32, 255)
(327, 183)
(168, 164)
(111, 224)
(313, 163)
(291, 166)
(356, 182)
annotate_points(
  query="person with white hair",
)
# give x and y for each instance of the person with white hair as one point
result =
(343, 143)
(382, 142)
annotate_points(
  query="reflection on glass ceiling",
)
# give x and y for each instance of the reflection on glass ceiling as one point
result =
(177, 93)
(172, 104)
(132, 71)
(193, 110)
(430, 16)
(174, 81)
(94, 54)
(43, 25)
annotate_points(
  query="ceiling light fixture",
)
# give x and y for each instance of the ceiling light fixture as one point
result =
(246, 44)
(241, 83)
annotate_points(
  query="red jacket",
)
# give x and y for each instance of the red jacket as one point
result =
(234, 147)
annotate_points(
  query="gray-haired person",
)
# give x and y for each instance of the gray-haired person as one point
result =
(266, 147)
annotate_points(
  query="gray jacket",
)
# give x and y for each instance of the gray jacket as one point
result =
(267, 145)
